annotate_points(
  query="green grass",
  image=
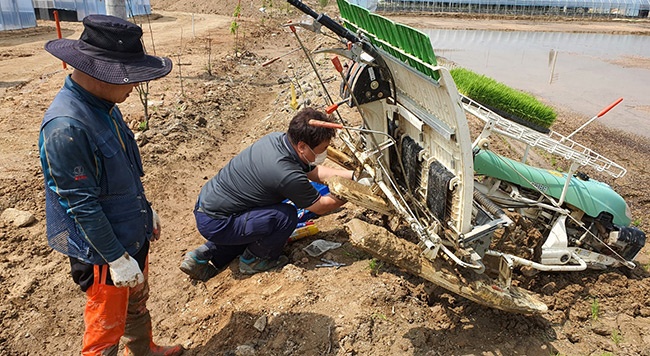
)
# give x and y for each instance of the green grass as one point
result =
(380, 316)
(354, 253)
(375, 265)
(595, 309)
(616, 337)
(488, 91)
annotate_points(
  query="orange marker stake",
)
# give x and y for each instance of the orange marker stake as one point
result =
(58, 32)
(601, 113)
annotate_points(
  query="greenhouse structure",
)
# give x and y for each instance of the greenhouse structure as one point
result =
(76, 10)
(16, 14)
(571, 8)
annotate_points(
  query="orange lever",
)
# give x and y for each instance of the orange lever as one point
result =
(337, 64)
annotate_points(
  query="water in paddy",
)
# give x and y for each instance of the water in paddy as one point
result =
(590, 71)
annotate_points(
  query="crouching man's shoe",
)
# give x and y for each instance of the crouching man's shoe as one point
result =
(255, 265)
(201, 270)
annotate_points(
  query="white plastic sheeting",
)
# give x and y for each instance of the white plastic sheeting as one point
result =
(16, 14)
(370, 5)
(84, 8)
(581, 8)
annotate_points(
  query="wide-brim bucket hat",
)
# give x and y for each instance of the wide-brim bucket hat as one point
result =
(110, 50)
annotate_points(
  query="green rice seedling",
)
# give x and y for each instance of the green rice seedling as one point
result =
(500, 97)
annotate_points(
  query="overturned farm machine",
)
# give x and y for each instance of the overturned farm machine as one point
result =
(478, 216)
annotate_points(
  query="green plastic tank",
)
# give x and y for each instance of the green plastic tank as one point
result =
(591, 196)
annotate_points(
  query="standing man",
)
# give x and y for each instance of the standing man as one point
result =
(97, 212)
(240, 211)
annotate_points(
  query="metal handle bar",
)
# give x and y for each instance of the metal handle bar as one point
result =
(334, 27)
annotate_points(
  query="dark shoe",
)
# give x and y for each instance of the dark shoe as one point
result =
(198, 269)
(256, 265)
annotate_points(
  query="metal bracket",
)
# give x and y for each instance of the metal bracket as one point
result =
(330, 263)
(505, 270)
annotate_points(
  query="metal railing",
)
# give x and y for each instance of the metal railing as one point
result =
(552, 142)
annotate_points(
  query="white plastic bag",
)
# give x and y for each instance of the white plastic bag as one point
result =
(318, 247)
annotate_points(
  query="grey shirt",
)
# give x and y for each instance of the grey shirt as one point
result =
(265, 173)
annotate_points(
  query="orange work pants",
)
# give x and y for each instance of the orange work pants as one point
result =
(107, 308)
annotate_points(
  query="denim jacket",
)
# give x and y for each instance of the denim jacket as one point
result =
(95, 203)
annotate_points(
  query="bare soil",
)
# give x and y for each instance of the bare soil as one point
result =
(214, 104)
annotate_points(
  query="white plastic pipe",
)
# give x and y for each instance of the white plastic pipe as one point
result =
(538, 266)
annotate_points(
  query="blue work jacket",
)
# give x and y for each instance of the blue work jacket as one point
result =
(95, 203)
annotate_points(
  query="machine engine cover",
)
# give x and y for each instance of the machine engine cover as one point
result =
(366, 82)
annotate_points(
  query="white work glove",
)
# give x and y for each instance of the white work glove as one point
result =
(363, 178)
(156, 226)
(367, 181)
(125, 272)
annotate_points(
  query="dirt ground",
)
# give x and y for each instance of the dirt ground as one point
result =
(214, 104)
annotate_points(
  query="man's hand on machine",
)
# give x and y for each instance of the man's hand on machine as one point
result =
(125, 271)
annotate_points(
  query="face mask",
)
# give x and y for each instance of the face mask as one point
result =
(319, 158)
